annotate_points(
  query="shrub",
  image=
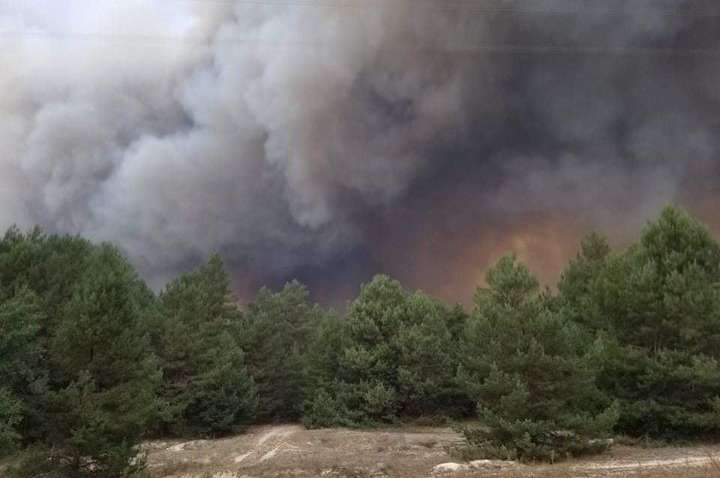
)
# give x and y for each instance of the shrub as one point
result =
(528, 440)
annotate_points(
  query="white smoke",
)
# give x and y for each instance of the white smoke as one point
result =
(173, 128)
(176, 127)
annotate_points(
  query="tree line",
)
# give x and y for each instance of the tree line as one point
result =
(92, 361)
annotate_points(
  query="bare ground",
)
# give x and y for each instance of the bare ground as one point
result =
(291, 451)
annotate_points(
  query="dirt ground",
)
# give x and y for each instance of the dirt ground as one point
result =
(292, 451)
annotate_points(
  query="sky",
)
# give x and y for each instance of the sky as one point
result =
(335, 139)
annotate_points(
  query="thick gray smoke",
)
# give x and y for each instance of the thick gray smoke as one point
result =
(333, 138)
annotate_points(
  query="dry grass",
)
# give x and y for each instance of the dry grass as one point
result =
(573, 470)
(291, 451)
(565, 472)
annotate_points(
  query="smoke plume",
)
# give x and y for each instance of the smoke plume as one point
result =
(333, 139)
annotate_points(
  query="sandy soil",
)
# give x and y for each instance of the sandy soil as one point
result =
(292, 451)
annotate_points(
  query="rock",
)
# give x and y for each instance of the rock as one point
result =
(224, 474)
(450, 468)
(190, 445)
(178, 447)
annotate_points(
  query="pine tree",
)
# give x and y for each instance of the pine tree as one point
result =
(109, 376)
(575, 287)
(22, 375)
(324, 391)
(275, 332)
(10, 418)
(391, 358)
(525, 367)
(206, 388)
(48, 265)
(660, 305)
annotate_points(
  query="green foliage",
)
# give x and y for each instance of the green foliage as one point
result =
(21, 372)
(323, 411)
(275, 332)
(391, 358)
(529, 440)
(524, 364)
(40, 461)
(206, 386)
(10, 417)
(574, 298)
(324, 405)
(657, 309)
(48, 265)
(38, 274)
(425, 358)
(91, 359)
(109, 378)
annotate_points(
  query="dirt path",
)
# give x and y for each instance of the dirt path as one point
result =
(292, 451)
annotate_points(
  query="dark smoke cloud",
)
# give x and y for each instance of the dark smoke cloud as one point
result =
(332, 140)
